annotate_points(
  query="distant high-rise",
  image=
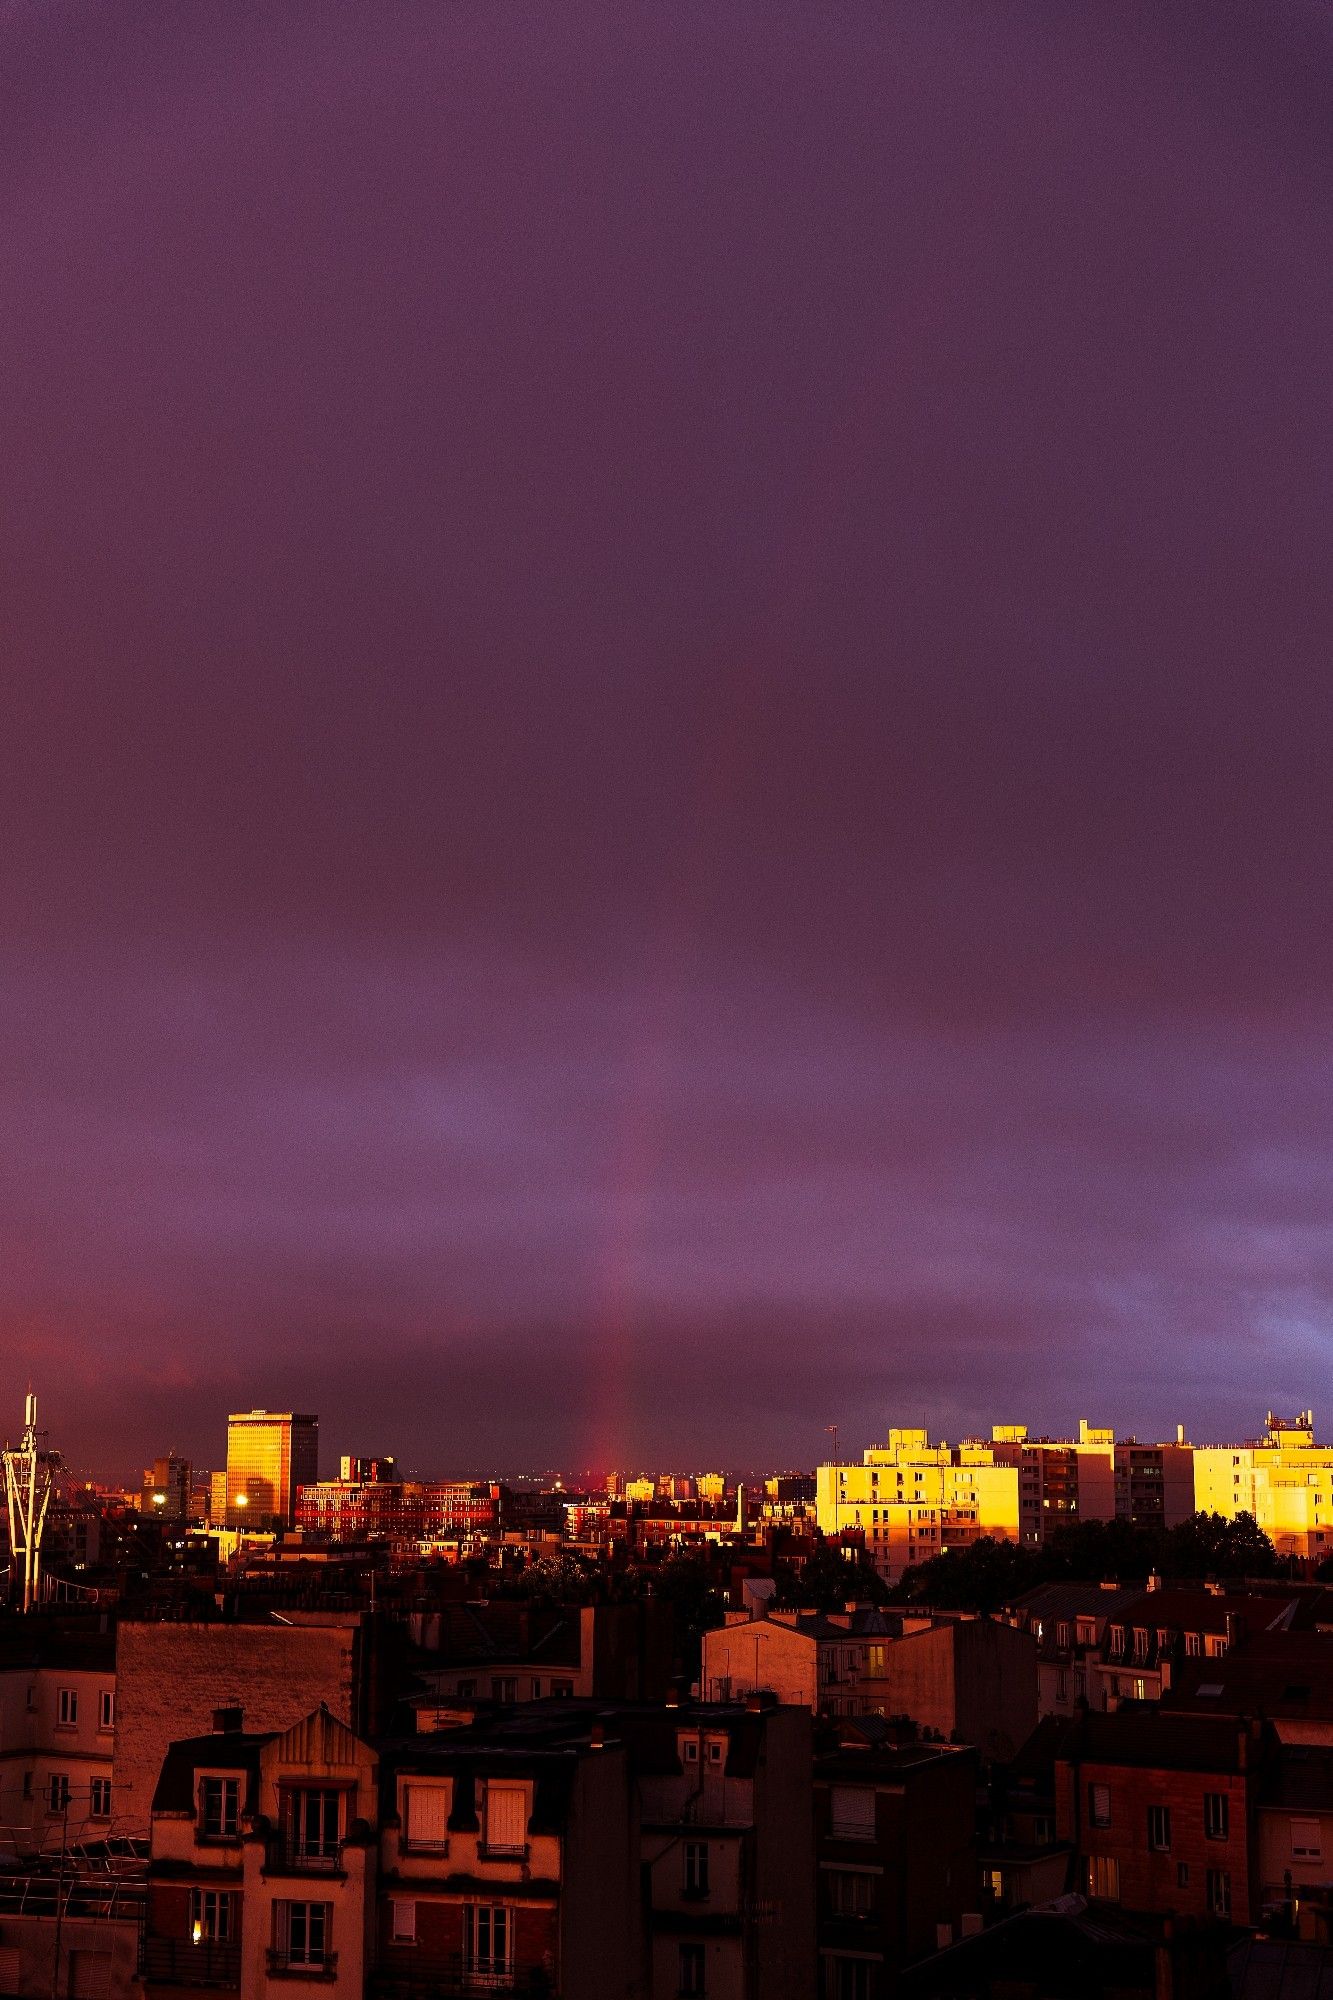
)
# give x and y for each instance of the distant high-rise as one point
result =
(269, 1454)
(167, 1489)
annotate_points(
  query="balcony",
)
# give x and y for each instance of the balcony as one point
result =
(292, 1856)
(177, 1961)
(280, 1964)
(427, 1977)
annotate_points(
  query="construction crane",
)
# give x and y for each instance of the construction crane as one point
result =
(28, 1482)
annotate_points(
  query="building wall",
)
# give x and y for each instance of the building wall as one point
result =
(753, 1653)
(170, 1678)
(974, 1679)
(1149, 1881)
(35, 1746)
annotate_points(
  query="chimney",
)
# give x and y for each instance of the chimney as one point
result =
(228, 1721)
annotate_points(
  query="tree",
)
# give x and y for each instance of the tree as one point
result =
(980, 1577)
(1211, 1545)
(829, 1578)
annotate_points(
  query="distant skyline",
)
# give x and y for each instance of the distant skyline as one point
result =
(666, 722)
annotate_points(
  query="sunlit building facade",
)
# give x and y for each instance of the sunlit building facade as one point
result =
(269, 1455)
(910, 1499)
(1284, 1479)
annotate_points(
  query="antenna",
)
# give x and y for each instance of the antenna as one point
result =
(28, 1489)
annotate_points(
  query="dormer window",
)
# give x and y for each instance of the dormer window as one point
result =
(219, 1808)
(426, 1816)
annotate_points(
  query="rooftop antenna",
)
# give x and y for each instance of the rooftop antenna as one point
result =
(28, 1489)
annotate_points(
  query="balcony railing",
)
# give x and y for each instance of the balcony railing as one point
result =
(308, 1857)
(177, 1961)
(456, 1977)
(283, 1965)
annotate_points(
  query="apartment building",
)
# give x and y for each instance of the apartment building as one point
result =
(1148, 1640)
(263, 1863)
(1068, 1622)
(507, 1652)
(885, 1895)
(1159, 1810)
(509, 1860)
(726, 1847)
(910, 1499)
(1284, 1479)
(57, 1724)
(970, 1680)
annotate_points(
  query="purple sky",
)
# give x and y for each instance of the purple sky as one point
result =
(666, 726)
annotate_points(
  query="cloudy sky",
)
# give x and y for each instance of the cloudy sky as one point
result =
(665, 721)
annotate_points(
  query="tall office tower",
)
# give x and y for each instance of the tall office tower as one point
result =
(269, 1454)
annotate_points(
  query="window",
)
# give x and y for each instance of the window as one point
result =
(852, 1892)
(57, 1792)
(1194, 1645)
(1306, 1842)
(1216, 1815)
(1219, 1892)
(1117, 1638)
(690, 1971)
(1104, 1877)
(849, 1978)
(302, 1932)
(32, 1696)
(27, 1784)
(312, 1825)
(212, 1915)
(402, 1921)
(506, 1819)
(106, 1709)
(100, 1798)
(696, 1867)
(1182, 1874)
(1099, 1805)
(219, 1807)
(504, 1687)
(1043, 1829)
(1062, 1634)
(562, 1690)
(67, 1707)
(426, 1816)
(689, 1749)
(852, 1812)
(491, 1940)
(715, 1750)
(1159, 1829)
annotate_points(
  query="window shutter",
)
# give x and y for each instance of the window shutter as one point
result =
(506, 1816)
(427, 1815)
(853, 1812)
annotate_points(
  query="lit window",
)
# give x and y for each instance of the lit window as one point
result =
(212, 1915)
(1104, 1877)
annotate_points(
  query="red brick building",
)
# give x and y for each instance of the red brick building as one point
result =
(1159, 1810)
